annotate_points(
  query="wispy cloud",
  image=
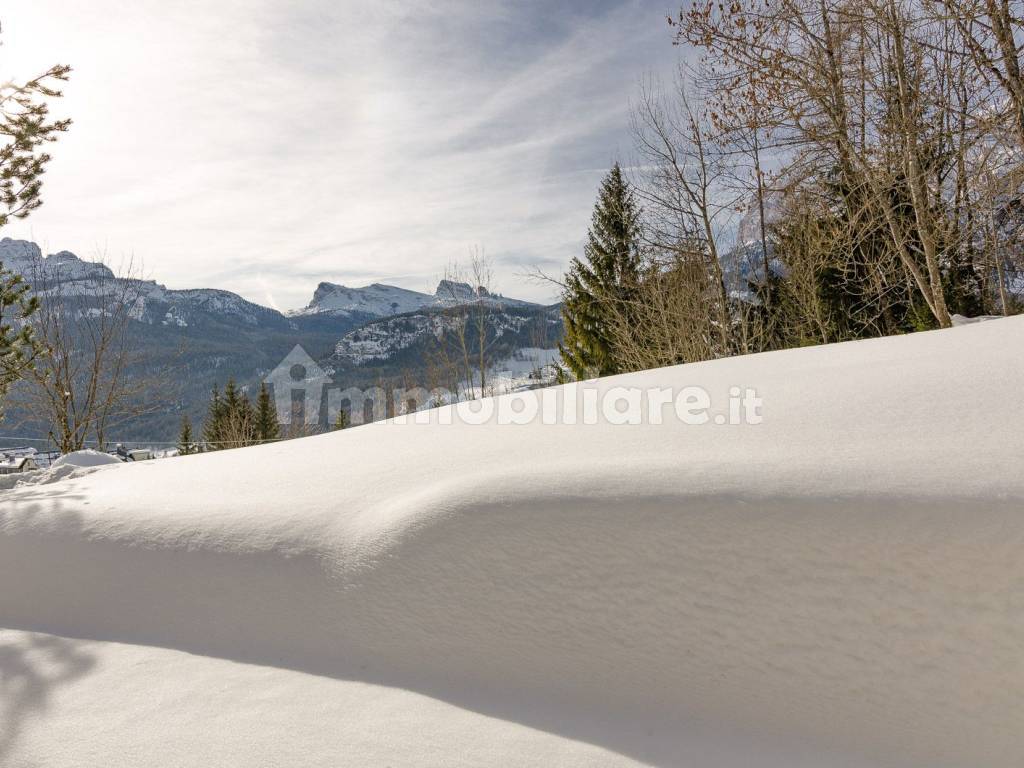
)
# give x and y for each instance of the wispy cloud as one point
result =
(262, 146)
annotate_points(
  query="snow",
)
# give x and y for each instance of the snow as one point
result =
(72, 276)
(46, 476)
(25, 258)
(70, 679)
(86, 458)
(527, 368)
(451, 293)
(377, 300)
(959, 320)
(839, 585)
(386, 337)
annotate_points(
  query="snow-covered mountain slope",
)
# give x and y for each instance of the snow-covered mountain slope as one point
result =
(379, 300)
(383, 339)
(26, 258)
(67, 275)
(838, 585)
(72, 276)
(376, 300)
(508, 329)
(451, 293)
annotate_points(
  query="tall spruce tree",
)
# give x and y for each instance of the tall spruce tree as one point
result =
(25, 129)
(213, 426)
(231, 420)
(267, 426)
(341, 422)
(606, 275)
(18, 346)
(232, 397)
(186, 443)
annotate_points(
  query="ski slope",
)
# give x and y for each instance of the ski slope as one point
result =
(839, 585)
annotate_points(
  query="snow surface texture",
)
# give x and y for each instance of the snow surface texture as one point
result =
(840, 585)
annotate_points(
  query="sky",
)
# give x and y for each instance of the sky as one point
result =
(264, 146)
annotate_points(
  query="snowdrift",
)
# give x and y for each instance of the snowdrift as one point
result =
(841, 584)
(86, 458)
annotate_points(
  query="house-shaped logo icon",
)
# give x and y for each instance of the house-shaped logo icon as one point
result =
(298, 384)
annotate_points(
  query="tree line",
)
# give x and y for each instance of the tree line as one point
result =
(875, 149)
(233, 421)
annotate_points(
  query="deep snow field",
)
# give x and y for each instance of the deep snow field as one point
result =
(839, 585)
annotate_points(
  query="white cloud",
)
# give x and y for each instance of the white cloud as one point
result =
(264, 146)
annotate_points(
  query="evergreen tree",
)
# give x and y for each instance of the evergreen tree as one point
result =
(213, 427)
(18, 346)
(232, 421)
(605, 276)
(25, 128)
(962, 286)
(232, 397)
(186, 445)
(267, 426)
(342, 421)
(836, 249)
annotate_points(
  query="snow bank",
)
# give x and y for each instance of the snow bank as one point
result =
(70, 465)
(43, 476)
(839, 585)
(86, 458)
(959, 320)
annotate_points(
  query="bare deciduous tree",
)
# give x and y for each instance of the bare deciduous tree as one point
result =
(877, 97)
(688, 204)
(84, 384)
(464, 342)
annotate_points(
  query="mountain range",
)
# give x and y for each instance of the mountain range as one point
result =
(192, 340)
(380, 300)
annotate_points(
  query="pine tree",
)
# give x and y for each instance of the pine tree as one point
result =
(606, 276)
(25, 129)
(186, 445)
(18, 346)
(267, 426)
(213, 426)
(232, 397)
(342, 421)
(232, 421)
